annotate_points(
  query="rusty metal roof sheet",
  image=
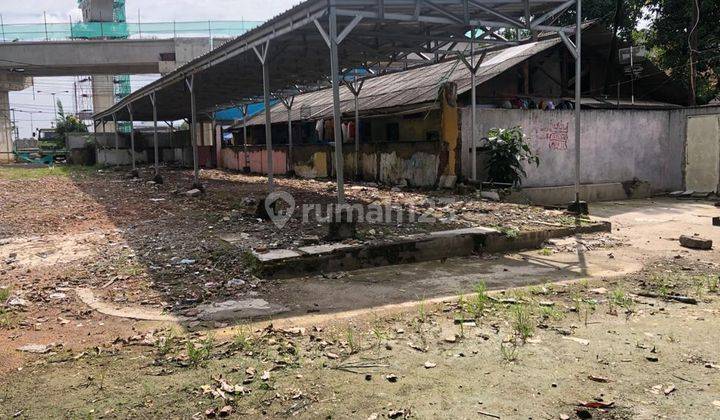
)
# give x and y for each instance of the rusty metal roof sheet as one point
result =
(411, 87)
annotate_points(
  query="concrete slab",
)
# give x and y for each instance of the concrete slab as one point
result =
(468, 231)
(233, 309)
(324, 249)
(276, 255)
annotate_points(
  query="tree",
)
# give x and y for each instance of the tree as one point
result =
(684, 40)
(683, 37)
(65, 124)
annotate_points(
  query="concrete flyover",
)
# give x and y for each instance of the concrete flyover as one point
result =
(101, 56)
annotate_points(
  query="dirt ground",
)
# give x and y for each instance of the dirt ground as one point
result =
(93, 277)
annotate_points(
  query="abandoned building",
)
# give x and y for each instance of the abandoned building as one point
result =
(415, 126)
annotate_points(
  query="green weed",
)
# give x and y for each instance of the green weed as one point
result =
(422, 313)
(165, 344)
(4, 294)
(479, 302)
(199, 353)
(548, 312)
(522, 322)
(242, 340)
(546, 252)
(508, 352)
(352, 342)
(620, 298)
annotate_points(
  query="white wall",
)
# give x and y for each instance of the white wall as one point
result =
(616, 145)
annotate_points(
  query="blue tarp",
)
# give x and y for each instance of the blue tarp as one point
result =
(232, 114)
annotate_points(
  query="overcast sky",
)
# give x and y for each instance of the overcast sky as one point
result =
(31, 11)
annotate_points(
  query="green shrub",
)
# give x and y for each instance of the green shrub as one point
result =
(507, 150)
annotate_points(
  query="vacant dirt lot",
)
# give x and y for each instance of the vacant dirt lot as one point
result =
(619, 325)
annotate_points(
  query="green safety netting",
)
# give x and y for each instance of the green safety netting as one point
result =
(89, 30)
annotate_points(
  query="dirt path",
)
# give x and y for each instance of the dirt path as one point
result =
(155, 280)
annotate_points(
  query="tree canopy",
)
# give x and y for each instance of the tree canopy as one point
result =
(67, 123)
(683, 37)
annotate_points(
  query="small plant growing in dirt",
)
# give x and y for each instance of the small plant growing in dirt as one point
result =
(422, 313)
(508, 352)
(479, 302)
(242, 340)
(379, 334)
(548, 312)
(522, 322)
(620, 298)
(509, 232)
(713, 283)
(165, 344)
(546, 252)
(352, 342)
(508, 150)
(201, 352)
(584, 307)
(4, 294)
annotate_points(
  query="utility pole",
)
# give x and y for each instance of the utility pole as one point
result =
(46, 31)
(75, 97)
(14, 124)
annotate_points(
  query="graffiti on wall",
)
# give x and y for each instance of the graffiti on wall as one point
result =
(554, 135)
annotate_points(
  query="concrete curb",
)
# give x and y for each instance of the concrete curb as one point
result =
(285, 263)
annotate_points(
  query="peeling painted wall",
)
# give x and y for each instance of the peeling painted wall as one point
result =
(234, 158)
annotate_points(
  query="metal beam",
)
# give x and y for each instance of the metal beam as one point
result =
(288, 102)
(244, 108)
(578, 92)
(155, 136)
(132, 139)
(337, 116)
(117, 139)
(190, 82)
(561, 8)
(268, 123)
(569, 44)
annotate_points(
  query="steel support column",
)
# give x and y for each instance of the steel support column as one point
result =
(263, 57)
(355, 88)
(337, 116)
(132, 140)
(117, 139)
(268, 123)
(578, 93)
(288, 102)
(473, 67)
(473, 105)
(244, 108)
(153, 99)
(190, 82)
(357, 136)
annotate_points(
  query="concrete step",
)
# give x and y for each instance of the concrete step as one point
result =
(288, 263)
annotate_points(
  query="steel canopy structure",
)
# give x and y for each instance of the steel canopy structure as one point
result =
(321, 39)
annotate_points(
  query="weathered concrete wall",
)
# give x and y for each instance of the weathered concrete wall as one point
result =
(234, 158)
(389, 163)
(617, 145)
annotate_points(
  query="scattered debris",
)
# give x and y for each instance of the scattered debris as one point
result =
(430, 365)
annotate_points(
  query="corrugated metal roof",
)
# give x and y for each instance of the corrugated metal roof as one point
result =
(415, 86)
